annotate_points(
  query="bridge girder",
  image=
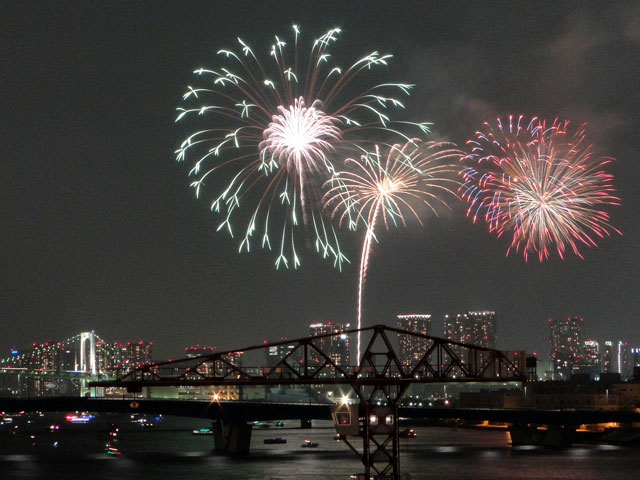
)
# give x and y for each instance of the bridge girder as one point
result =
(307, 363)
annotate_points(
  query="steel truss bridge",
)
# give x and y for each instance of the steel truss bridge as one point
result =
(379, 380)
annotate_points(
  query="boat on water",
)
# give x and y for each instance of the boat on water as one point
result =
(275, 440)
(309, 444)
(202, 431)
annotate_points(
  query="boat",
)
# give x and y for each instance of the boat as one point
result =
(269, 441)
(409, 433)
(309, 444)
(202, 431)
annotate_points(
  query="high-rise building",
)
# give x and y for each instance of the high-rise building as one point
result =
(481, 329)
(337, 347)
(139, 353)
(454, 330)
(199, 350)
(617, 357)
(625, 360)
(635, 361)
(589, 359)
(566, 339)
(412, 348)
(474, 327)
(275, 353)
(194, 351)
(453, 327)
(609, 358)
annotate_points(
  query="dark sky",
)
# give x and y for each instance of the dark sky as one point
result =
(101, 231)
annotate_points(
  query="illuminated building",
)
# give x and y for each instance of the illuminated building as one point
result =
(481, 329)
(617, 357)
(413, 349)
(566, 340)
(625, 360)
(275, 353)
(589, 359)
(454, 330)
(139, 353)
(609, 358)
(337, 347)
(199, 351)
(475, 328)
(635, 362)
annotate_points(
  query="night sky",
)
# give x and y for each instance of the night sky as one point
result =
(101, 231)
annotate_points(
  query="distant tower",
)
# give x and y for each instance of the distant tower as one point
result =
(412, 349)
(88, 363)
(566, 339)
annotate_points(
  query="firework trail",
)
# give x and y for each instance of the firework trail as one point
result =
(390, 188)
(539, 182)
(271, 131)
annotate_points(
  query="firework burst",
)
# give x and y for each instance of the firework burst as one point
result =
(390, 188)
(271, 132)
(539, 182)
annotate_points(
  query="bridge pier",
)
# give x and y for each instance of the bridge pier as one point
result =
(229, 437)
(553, 436)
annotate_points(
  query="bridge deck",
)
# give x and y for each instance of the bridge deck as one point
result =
(249, 411)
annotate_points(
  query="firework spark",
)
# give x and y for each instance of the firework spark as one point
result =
(392, 187)
(539, 182)
(276, 130)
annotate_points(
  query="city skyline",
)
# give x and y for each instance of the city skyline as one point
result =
(556, 359)
(101, 229)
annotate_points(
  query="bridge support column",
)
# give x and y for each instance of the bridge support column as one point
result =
(231, 437)
(554, 436)
(379, 430)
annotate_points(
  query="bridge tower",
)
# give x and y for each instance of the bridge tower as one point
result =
(378, 392)
(88, 363)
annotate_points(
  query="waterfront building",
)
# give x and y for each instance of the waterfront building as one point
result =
(412, 348)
